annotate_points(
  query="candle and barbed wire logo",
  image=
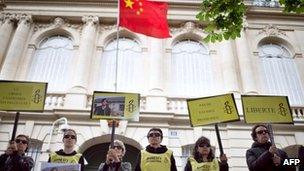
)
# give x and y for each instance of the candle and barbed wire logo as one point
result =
(228, 108)
(282, 110)
(37, 97)
(131, 107)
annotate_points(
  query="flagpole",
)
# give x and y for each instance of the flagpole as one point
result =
(117, 44)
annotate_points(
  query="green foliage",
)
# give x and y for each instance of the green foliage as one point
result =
(293, 5)
(224, 18)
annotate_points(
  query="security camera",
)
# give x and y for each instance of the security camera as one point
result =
(64, 127)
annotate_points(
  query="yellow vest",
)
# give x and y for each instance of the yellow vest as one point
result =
(55, 158)
(155, 162)
(204, 166)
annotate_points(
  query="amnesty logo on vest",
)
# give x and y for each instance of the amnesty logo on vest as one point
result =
(154, 159)
(155, 162)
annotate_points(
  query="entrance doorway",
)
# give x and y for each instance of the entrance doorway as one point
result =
(95, 151)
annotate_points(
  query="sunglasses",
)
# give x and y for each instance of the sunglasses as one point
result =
(69, 136)
(118, 147)
(204, 145)
(21, 141)
(154, 135)
(262, 131)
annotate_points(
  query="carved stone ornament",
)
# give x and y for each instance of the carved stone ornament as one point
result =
(8, 17)
(24, 18)
(271, 30)
(107, 27)
(38, 26)
(58, 22)
(90, 20)
(187, 27)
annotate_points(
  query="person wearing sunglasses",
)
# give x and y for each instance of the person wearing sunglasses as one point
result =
(14, 158)
(203, 158)
(155, 157)
(68, 154)
(263, 156)
(114, 158)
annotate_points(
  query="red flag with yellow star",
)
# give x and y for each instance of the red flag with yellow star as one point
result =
(145, 17)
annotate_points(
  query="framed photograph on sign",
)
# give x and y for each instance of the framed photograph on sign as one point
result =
(115, 105)
(109, 106)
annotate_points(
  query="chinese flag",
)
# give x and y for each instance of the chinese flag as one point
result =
(145, 17)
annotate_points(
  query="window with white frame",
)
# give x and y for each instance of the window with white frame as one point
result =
(191, 69)
(51, 63)
(280, 74)
(129, 67)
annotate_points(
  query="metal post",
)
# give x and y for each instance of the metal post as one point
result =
(113, 133)
(269, 127)
(219, 139)
(15, 126)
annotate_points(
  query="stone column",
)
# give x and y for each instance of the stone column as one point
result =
(16, 48)
(229, 67)
(155, 65)
(6, 30)
(156, 76)
(76, 96)
(24, 64)
(245, 64)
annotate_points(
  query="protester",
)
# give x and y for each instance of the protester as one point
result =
(103, 108)
(203, 158)
(263, 156)
(14, 158)
(155, 157)
(114, 159)
(68, 154)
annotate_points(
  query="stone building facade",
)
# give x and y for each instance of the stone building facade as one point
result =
(71, 44)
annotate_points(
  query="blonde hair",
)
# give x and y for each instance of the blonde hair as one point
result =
(121, 144)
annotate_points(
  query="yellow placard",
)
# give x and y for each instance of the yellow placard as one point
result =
(215, 109)
(266, 109)
(22, 96)
(114, 105)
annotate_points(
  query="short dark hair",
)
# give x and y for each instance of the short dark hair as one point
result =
(197, 155)
(24, 136)
(104, 99)
(156, 129)
(27, 139)
(253, 133)
(72, 130)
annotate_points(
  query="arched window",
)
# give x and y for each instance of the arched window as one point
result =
(279, 73)
(51, 63)
(129, 67)
(191, 69)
